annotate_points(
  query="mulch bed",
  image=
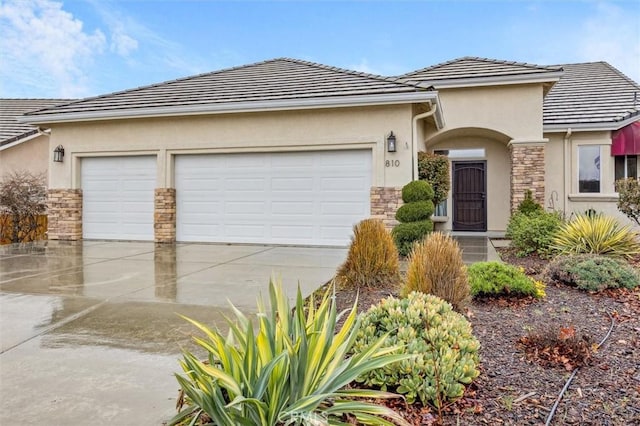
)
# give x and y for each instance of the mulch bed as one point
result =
(518, 387)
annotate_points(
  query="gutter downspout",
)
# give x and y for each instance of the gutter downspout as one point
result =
(567, 140)
(414, 139)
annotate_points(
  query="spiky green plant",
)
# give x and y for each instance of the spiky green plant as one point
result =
(596, 234)
(292, 370)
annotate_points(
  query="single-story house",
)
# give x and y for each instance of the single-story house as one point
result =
(23, 147)
(292, 152)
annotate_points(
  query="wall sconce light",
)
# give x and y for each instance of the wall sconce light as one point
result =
(58, 153)
(391, 142)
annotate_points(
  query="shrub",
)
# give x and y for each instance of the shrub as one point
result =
(415, 212)
(629, 200)
(294, 366)
(533, 232)
(417, 190)
(445, 350)
(592, 272)
(597, 234)
(436, 267)
(434, 169)
(529, 205)
(372, 260)
(23, 202)
(406, 234)
(489, 279)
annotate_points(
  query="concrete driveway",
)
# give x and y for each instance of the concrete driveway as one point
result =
(89, 332)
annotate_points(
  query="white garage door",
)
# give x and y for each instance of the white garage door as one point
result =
(310, 198)
(117, 197)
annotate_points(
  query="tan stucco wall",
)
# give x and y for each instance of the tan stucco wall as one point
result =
(31, 156)
(515, 111)
(562, 175)
(344, 128)
(498, 169)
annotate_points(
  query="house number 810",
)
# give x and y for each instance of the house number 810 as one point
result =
(392, 163)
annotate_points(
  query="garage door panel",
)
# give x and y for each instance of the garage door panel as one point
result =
(287, 198)
(118, 197)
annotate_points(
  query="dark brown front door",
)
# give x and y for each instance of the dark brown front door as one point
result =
(469, 196)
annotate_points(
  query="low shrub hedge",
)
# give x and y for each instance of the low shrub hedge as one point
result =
(592, 272)
(489, 279)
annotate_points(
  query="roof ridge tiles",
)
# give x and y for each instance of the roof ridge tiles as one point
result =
(481, 59)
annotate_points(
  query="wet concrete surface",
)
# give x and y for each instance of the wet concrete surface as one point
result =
(89, 331)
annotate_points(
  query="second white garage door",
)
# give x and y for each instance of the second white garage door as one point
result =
(311, 198)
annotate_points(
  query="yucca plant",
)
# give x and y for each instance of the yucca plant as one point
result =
(596, 234)
(292, 370)
(372, 260)
(436, 267)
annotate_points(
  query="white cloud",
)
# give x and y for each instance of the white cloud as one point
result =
(45, 49)
(613, 36)
(122, 44)
(363, 66)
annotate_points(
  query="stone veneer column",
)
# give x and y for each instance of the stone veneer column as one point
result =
(527, 172)
(64, 214)
(164, 216)
(385, 201)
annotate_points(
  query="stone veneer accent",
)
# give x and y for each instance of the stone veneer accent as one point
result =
(164, 216)
(527, 172)
(64, 214)
(385, 201)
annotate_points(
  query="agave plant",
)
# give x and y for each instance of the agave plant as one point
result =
(292, 370)
(596, 234)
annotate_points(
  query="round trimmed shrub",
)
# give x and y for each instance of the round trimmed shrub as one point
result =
(418, 190)
(436, 267)
(422, 324)
(489, 279)
(415, 212)
(406, 234)
(592, 272)
(533, 232)
(372, 260)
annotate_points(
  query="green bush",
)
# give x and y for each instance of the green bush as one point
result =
(415, 212)
(293, 367)
(596, 234)
(417, 190)
(434, 169)
(533, 232)
(406, 234)
(529, 205)
(592, 272)
(446, 352)
(489, 279)
(629, 200)
(372, 260)
(436, 267)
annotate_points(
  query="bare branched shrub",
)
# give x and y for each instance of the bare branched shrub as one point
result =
(436, 267)
(23, 197)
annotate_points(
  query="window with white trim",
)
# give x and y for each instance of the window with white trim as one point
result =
(589, 176)
(626, 166)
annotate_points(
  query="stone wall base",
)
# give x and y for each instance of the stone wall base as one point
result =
(527, 172)
(164, 216)
(385, 201)
(64, 214)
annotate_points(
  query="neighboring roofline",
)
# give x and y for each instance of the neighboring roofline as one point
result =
(236, 107)
(590, 127)
(451, 83)
(17, 140)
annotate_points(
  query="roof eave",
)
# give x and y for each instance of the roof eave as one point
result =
(592, 127)
(235, 107)
(453, 83)
(17, 140)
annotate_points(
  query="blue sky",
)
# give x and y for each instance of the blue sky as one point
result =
(78, 48)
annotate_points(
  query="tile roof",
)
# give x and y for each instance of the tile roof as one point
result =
(10, 109)
(590, 94)
(272, 80)
(467, 69)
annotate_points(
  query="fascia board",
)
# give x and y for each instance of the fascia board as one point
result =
(586, 127)
(236, 107)
(453, 83)
(21, 140)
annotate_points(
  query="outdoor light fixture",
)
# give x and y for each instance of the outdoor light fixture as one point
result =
(58, 153)
(391, 142)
